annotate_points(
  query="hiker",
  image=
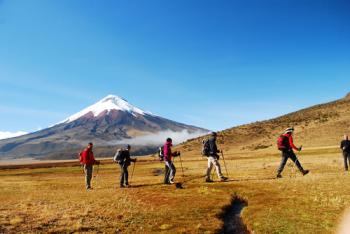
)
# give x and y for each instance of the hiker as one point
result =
(122, 157)
(87, 159)
(345, 146)
(286, 146)
(213, 159)
(166, 169)
(168, 155)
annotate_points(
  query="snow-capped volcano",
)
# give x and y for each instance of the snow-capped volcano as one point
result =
(105, 106)
(108, 123)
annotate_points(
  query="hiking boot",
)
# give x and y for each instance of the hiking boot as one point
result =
(89, 188)
(279, 176)
(171, 182)
(223, 178)
(305, 172)
(208, 180)
(122, 186)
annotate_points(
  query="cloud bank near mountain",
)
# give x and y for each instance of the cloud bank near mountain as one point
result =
(160, 137)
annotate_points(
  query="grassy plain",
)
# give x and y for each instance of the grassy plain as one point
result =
(54, 200)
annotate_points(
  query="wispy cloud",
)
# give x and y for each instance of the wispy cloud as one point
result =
(159, 138)
(5, 135)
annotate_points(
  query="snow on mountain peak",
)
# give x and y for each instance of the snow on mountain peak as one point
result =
(111, 102)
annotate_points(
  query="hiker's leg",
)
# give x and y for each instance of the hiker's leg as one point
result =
(167, 164)
(348, 156)
(217, 167)
(91, 172)
(88, 175)
(121, 175)
(283, 162)
(166, 174)
(345, 155)
(173, 170)
(294, 158)
(209, 168)
(126, 175)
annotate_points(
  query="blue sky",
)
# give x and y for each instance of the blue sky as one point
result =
(214, 64)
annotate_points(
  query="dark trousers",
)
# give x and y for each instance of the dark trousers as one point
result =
(346, 156)
(289, 154)
(124, 175)
(166, 175)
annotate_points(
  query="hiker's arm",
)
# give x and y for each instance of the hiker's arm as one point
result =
(94, 160)
(97, 162)
(291, 143)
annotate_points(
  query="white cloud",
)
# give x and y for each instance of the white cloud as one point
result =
(159, 138)
(5, 135)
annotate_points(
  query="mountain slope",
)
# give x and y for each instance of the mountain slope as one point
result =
(318, 126)
(106, 123)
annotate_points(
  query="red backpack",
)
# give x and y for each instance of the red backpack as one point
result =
(282, 142)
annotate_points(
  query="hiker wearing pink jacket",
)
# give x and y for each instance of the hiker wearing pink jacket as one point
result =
(168, 155)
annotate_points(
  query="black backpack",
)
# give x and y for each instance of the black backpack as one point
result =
(161, 153)
(206, 148)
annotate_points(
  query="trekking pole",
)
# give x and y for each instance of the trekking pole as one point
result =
(182, 169)
(96, 176)
(222, 154)
(98, 169)
(132, 174)
(213, 173)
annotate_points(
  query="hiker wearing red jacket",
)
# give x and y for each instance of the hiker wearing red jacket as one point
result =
(286, 145)
(87, 159)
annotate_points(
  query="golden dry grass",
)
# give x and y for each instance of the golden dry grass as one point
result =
(318, 126)
(54, 199)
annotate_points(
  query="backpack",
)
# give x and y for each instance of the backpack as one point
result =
(205, 148)
(119, 156)
(346, 146)
(283, 142)
(161, 153)
(80, 157)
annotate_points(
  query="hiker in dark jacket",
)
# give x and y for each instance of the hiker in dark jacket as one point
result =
(287, 152)
(168, 155)
(87, 159)
(345, 146)
(213, 159)
(122, 157)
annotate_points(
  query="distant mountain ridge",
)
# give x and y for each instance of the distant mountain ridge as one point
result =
(107, 122)
(318, 126)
